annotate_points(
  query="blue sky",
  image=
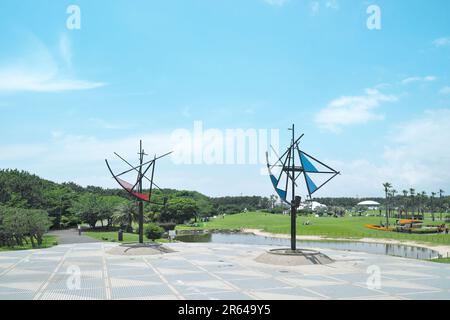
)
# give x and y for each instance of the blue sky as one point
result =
(375, 104)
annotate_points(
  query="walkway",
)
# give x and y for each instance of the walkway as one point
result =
(71, 236)
(212, 271)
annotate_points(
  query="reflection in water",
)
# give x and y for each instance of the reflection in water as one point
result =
(375, 248)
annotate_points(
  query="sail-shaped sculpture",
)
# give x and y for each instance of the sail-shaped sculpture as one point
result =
(288, 168)
(136, 190)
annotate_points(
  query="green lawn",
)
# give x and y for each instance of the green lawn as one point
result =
(47, 242)
(441, 260)
(112, 236)
(347, 227)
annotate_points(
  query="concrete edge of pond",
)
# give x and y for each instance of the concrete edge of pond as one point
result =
(441, 249)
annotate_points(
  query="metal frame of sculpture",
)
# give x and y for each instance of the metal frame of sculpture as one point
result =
(136, 190)
(286, 163)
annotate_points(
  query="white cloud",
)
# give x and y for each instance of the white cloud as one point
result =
(420, 154)
(39, 71)
(416, 155)
(103, 124)
(419, 79)
(441, 42)
(65, 50)
(315, 6)
(278, 3)
(351, 110)
(78, 158)
(445, 90)
(332, 4)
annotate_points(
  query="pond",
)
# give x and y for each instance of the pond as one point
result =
(251, 239)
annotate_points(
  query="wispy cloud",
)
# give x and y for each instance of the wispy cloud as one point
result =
(352, 110)
(278, 3)
(415, 156)
(41, 70)
(420, 154)
(315, 6)
(445, 90)
(332, 4)
(104, 124)
(418, 79)
(441, 42)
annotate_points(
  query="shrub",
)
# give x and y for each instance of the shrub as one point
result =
(153, 231)
(167, 226)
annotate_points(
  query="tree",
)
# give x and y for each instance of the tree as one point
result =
(107, 205)
(58, 200)
(38, 223)
(179, 210)
(422, 203)
(387, 186)
(412, 193)
(273, 200)
(433, 195)
(125, 214)
(441, 203)
(87, 208)
(405, 202)
(393, 201)
(18, 225)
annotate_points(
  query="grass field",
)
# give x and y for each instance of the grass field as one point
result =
(47, 242)
(441, 260)
(112, 236)
(347, 227)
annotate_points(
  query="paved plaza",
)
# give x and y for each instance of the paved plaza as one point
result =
(212, 271)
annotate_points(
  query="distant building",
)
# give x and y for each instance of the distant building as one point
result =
(312, 205)
(371, 205)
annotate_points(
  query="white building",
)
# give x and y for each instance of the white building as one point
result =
(371, 205)
(312, 205)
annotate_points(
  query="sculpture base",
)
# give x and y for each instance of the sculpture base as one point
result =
(287, 257)
(139, 249)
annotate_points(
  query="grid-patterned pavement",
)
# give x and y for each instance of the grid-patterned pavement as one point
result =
(212, 271)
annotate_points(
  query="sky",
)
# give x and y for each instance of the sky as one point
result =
(370, 90)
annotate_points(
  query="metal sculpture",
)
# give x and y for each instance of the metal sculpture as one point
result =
(289, 173)
(136, 190)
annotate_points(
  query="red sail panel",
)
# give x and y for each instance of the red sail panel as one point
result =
(129, 187)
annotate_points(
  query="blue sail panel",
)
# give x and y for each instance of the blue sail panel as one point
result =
(311, 185)
(306, 164)
(274, 180)
(281, 193)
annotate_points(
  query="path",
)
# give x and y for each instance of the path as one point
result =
(71, 236)
(212, 271)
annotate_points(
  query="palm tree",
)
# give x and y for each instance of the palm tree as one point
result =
(433, 194)
(387, 186)
(412, 192)
(125, 214)
(441, 206)
(394, 202)
(405, 202)
(422, 203)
